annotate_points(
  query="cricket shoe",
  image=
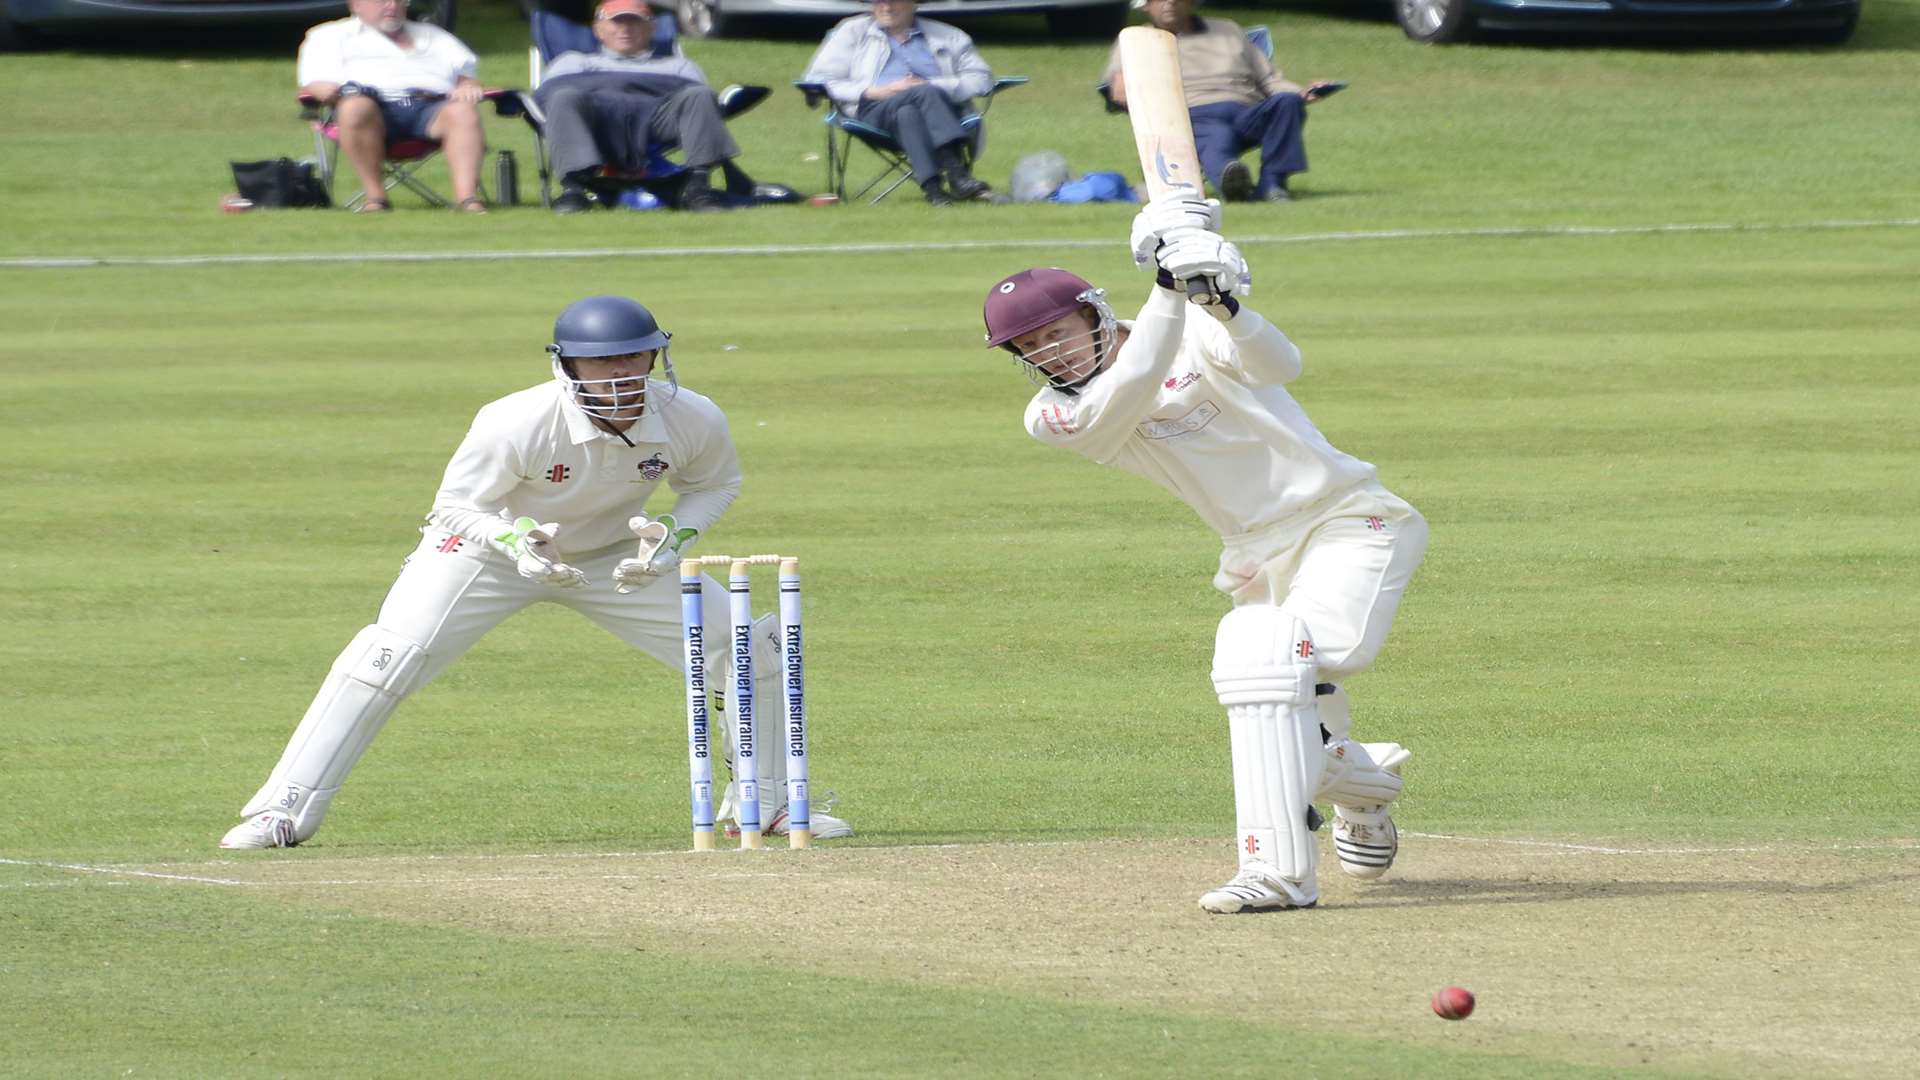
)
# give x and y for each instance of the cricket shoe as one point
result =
(1365, 842)
(1257, 888)
(824, 826)
(270, 829)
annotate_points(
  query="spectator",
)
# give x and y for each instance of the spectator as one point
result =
(912, 78)
(389, 79)
(1237, 100)
(597, 112)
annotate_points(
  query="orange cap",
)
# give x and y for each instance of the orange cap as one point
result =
(613, 9)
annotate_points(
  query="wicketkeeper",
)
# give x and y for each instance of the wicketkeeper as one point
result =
(542, 502)
(1316, 553)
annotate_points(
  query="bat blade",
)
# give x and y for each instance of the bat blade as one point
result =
(1157, 105)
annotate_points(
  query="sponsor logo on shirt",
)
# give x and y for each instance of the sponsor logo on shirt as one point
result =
(654, 468)
(558, 474)
(1376, 524)
(1196, 418)
(1177, 383)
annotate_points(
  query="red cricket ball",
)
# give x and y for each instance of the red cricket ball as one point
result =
(1453, 1003)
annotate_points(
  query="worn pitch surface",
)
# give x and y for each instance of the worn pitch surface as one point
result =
(1775, 961)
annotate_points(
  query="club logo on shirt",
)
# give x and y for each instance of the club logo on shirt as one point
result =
(654, 468)
(1177, 383)
(1196, 418)
(558, 474)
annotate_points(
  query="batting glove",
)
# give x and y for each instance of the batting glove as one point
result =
(1195, 254)
(530, 545)
(661, 542)
(1172, 211)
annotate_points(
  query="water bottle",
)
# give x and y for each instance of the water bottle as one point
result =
(506, 179)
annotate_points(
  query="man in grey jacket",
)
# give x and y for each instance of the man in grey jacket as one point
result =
(913, 78)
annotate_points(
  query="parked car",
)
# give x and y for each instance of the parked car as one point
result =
(1065, 18)
(1822, 21)
(20, 18)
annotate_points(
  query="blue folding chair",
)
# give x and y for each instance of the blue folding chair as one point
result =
(843, 131)
(555, 33)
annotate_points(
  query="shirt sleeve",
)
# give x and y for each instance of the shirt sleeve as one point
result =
(472, 500)
(708, 484)
(1265, 75)
(833, 64)
(971, 76)
(1251, 349)
(1098, 420)
(567, 63)
(468, 65)
(319, 59)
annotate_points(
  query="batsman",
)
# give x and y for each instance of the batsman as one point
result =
(544, 502)
(1190, 394)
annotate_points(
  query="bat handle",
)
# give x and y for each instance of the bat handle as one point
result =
(1200, 291)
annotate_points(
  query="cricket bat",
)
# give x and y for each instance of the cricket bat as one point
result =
(1162, 131)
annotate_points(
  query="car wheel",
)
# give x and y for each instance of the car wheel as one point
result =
(1435, 22)
(1097, 22)
(701, 18)
(440, 13)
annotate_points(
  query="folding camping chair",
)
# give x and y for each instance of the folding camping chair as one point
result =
(555, 33)
(843, 131)
(405, 157)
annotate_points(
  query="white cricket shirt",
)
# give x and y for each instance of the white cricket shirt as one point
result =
(1196, 406)
(536, 454)
(348, 50)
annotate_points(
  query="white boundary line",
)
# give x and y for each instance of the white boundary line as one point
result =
(133, 872)
(79, 262)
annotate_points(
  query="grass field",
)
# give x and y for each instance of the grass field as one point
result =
(1632, 325)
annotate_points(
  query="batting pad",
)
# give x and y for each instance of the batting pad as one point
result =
(769, 708)
(377, 669)
(1263, 672)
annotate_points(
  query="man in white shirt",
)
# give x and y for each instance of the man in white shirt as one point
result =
(591, 123)
(581, 452)
(389, 79)
(1316, 552)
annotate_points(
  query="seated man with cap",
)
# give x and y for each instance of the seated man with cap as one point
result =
(604, 108)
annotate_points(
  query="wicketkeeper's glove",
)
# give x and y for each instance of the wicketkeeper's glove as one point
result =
(530, 545)
(661, 542)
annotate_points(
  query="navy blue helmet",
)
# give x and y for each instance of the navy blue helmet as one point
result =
(613, 326)
(606, 326)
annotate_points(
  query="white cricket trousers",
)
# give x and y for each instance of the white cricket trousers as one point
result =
(452, 591)
(1341, 568)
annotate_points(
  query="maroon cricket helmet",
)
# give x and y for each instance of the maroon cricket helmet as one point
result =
(1031, 299)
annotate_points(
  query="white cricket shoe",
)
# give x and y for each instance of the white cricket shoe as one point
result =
(824, 825)
(1259, 888)
(270, 829)
(1366, 842)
